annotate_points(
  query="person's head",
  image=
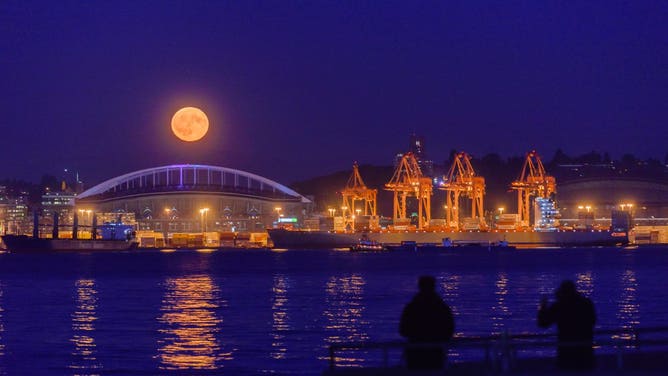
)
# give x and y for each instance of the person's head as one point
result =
(566, 289)
(427, 283)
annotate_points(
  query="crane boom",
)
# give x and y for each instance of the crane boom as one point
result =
(533, 181)
(356, 190)
(461, 181)
(408, 181)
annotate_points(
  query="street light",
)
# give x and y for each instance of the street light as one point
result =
(501, 211)
(332, 211)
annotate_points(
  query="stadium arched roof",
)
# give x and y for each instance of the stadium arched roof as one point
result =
(188, 178)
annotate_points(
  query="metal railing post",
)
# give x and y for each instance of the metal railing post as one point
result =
(331, 358)
(488, 361)
(505, 352)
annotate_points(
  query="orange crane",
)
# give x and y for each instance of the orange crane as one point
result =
(533, 181)
(462, 181)
(408, 181)
(356, 190)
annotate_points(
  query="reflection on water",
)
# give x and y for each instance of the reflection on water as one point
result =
(585, 283)
(189, 325)
(450, 285)
(500, 309)
(344, 315)
(279, 325)
(546, 282)
(84, 355)
(628, 308)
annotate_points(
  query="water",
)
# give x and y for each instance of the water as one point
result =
(257, 311)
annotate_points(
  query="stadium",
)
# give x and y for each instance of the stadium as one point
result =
(201, 199)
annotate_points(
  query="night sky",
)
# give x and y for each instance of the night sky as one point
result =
(300, 89)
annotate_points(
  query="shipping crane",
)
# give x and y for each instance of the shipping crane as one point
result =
(356, 190)
(462, 181)
(533, 181)
(408, 181)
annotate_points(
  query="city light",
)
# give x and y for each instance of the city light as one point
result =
(626, 206)
(203, 214)
(85, 220)
(278, 212)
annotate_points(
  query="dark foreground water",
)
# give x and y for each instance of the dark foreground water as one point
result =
(257, 311)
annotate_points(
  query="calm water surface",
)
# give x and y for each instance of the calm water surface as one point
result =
(257, 311)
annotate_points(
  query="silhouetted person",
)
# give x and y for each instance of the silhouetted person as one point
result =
(575, 317)
(426, 319)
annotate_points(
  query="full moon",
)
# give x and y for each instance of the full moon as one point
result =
(190, 124)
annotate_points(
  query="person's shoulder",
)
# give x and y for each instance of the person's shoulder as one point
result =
(584, 301)
(590, 302)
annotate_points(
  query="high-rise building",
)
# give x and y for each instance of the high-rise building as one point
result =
(60, 202)
(71, 182)
(17, 220)
(416, 146)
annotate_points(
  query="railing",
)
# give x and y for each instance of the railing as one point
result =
(499, 353)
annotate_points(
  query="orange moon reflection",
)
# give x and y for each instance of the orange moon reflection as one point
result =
(190, 124)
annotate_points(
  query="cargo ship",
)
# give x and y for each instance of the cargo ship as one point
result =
(24, 243)
(114, 236)
(535, 189)
(284, 238)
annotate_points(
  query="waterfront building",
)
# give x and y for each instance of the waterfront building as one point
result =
(17, 218)
(546, 214)
(197, 199)
(61, 202)
(646, 200)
